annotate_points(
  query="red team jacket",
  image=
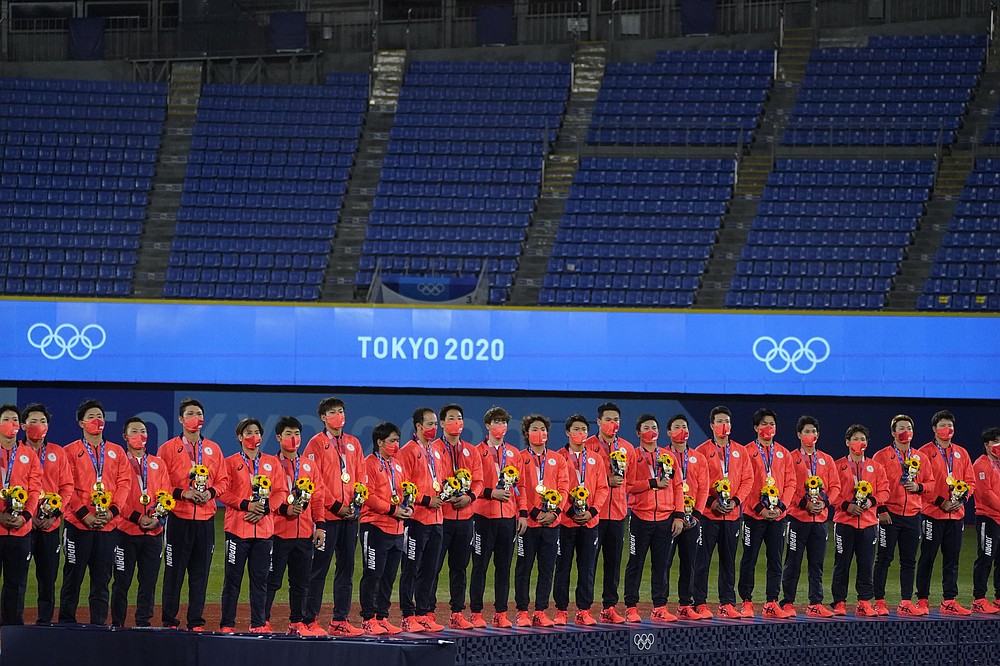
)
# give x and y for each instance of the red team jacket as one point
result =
(987, 488)
(156, 479)
(180, 457)
(617, 506)
(57, 477)
(586, 469)
(646, 500)
(784, 479)
(490, 458)
(850, 473)
(740, 477)
(303, 525)
(337, 456)
(25, 471)
(414, 458)
(936, 490)
(801, 469)
(117, 479)
(462, 455)
(555, 474)
(900, 501)
(379, 510)
(237, 495)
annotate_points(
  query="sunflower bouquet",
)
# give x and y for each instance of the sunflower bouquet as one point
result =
(579, 497)
(912, 466)
(551, 499)
(50, 506)
(360, 495)
(409, 493)
(665, 466)
(509, 476)
(724, 489)
(862, 491)
(464, 477)
(199, 478)
(260, 488)
(101, 500)
(618, 463)
(769, 496)
(959, 490)
(165, 503)
(688, 509)
(451, 488)
(814, 488)
(303, 491)
(16, 497)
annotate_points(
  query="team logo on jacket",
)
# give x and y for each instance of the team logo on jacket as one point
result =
(23, 459)
(779, 454)
(153, 465)
(465, 452)
(870, 468)
(398, 468)
(112, 455)
(267, 467)
(208, 450)
(350, 447)
(591, 461)
(552, 461)
(51, 457)
(822, 462)
(957, 454)
(306, 467)
(437, 455)
(692, 459)
(736, 454)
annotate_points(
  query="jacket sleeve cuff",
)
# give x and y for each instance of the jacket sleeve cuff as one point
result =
(939, 501)
(392, 509)
(177, 493)
(471, 495)
(212, 492)
(283, 510)
(677, 515)
(522, 514)
(802, 503)
(114, 511)
(26, 515)
(736, 501)
(82, 512)
(593, 512)
(872, 501)
(844, 505)
(920, 489)
(652, 484)
(244, 505)
(882, 509)
(425, 501)
(267, 509)
(134, 517)
(758, 508)
(337, 506)
(534, 513)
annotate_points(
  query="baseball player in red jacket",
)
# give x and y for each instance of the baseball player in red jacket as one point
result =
(987, 468)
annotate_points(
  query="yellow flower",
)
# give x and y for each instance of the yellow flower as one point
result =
(580, 493)
(409, 488)
(160, 493)
(361, 490)
(769, 491)
(100, 499)
(665, 460)
(462, 473)
(961, 487)
(552, 496)
(454, 483)
(166, 501)
(814, 482)
(53, 500)
(863, 487)
(305, 485)
(722, 486)
(510, 474)
(688, 502)
(199, 470)
(261, 481)
(19, 494)
(619, 456)
(913, 462)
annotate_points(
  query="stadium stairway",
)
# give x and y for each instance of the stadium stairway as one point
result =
(794, 54)
(560, 169)
(165, 199)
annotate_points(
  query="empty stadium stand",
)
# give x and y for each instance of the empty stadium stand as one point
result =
(75, 176)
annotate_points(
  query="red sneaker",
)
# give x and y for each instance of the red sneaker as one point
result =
(476, 620)
(562, 619)
(840, 608)
(703, 612)
(411, 625)
(611, 616)
(818, 610)
(880, 607)
(429, 622)
(225, 630)
(390, 628)
(540, 619)
(313, 629)
(263, 629)
(687, 613)
(458, 621)
(773, 611)
(984, 607)
(952, 607)
(632, 614)
(747, 610)
(923, 607)
(501, 621)
(584, 618)
(729, 612)
(661, 614)
(344, 628)
(523, 619)
(907, 609)
(790, 609)
(372, 627)
(197, 630)
(297, 629)
(865, 609)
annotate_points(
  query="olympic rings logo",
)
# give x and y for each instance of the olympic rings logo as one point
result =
(430, 289)
(66, 339)
(644, 642)
(791, 353)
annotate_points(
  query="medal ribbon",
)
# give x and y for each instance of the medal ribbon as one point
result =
(769, 459)
(144, 474)
(900, 457)
(724, 462)
(197, 450)
(653, 455)
(41, 457)
(295, 470)
(340, 454)
(540, 465)
(948, 461)
(811, 461)
(10, 465)
(98, 464)
(256, 463)
(500, 459)
(581, 467)
(430, 462)
(384, 465)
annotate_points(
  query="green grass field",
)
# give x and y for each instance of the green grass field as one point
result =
(892, 587)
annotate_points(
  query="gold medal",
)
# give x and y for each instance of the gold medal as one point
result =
(394, 499)
(686, 487)
(950, 480)
(436, 486)
(345, 477)
(144, 499)
(769, 480)
(540, 489)
(99, 487)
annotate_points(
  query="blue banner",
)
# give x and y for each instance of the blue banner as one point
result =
(606, 351)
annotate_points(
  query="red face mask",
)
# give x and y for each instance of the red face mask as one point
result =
(944, 433)
(9, 428)
(251, 442)
(609, 428)
(336, 421)
(577, 438)
(454, 428)
(722, 429)
(766, 432)
(649, 436)
(538, 437)
(904, 436)
(498, 430)
(680, 436)
(290, 443)
(391, 449)
(429, 434)
(137, 441)
(94, 426)
(809, 440)
(857, 447)
(193, 423)
(37, 431)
